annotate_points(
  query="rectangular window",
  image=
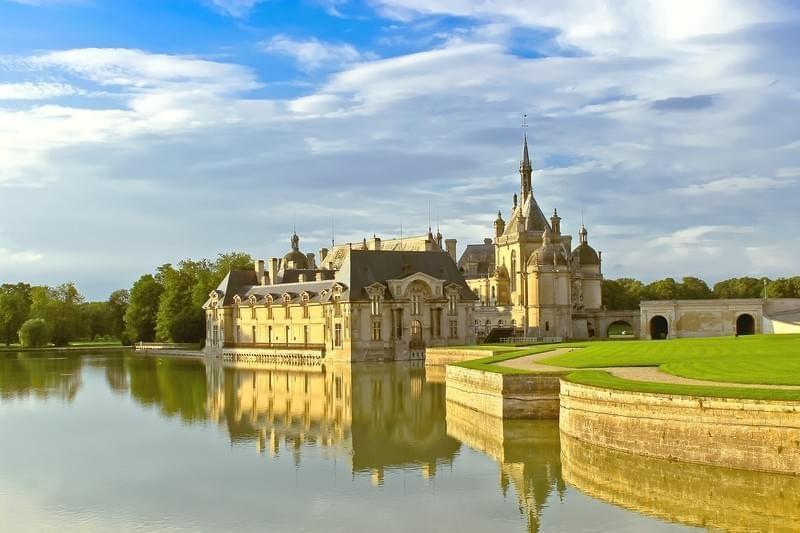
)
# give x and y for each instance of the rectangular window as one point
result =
(376, 305)
(288, 334)
(306, 334)
(376, 330)
(287, 312)
(453, 329)
(215, 335)
(269, 312)
(415, 304)
(269, 334)
(337, 307)
(452, 304)
(253, 312)
(253, 334)
(398, 332)
(337, 335)
(305, 311)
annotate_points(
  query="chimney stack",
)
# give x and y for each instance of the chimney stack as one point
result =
(450, 244)
(323, 253)
(273, 270)
(259, 266)
(376, 243)
(312, 263)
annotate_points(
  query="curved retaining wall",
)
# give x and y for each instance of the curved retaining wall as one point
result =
(503, 396)
(698, 495)
(440, 356)
(746, 434)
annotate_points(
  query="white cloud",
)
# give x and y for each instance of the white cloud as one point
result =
(312, 54)
(236, 8)
(35, 91)
(734, 185)
(7, 257)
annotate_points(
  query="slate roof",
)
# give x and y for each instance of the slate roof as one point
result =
(482, 254)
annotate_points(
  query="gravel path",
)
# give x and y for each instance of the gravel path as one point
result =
(635, 373)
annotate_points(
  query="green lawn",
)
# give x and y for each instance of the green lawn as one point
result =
(598, 378)
(759, 360)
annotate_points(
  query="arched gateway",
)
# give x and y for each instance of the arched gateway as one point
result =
(659, 327)
(745, 325)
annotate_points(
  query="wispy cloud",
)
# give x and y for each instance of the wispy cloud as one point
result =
(235, 8)
(313, 54)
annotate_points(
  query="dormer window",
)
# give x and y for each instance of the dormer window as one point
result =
(415, 304)
(376, 304)
(286, 300)
(452, 303)
(269, 307)
(337, 306)
(305, 306)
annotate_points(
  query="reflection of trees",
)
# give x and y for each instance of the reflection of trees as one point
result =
(39, 374)
(527, 451)
(176, 386)
(698, 495)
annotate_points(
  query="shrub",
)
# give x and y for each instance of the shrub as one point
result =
(34, 333)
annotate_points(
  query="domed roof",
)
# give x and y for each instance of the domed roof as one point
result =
(548, 255)
(587, 255)
(295, 259)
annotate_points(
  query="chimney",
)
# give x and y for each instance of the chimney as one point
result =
(273, 270)
(320, 276)
(312, 263)
(259, 266)
(376, 243)
(301, 277)
(450, 244)
(323, 253)
(487, 241)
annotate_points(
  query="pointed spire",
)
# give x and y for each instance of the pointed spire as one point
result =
(525, 168)
(584, 235)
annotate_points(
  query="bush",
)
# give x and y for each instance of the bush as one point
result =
(34, 333)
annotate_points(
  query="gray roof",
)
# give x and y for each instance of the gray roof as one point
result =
(482, 254)
(360, 269)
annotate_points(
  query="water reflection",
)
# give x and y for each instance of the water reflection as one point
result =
(527, 452)
(699, 495)
(42, 376)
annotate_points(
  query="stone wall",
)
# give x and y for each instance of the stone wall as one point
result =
(699, 495)
(503, 395)
(449, 356)
(747, 434)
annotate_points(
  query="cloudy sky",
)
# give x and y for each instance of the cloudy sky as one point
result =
(135, 133)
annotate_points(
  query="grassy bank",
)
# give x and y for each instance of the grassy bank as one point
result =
(754, 360)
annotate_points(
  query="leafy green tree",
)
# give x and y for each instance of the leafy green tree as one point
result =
(34, 333)
(664, 289)
(692, 288)
(179, 320)
(140, 315)
(745, 287)
(60, 307)
(15, 305)
(117, 305)
(622, 293)
(784, 288)
(96, 319)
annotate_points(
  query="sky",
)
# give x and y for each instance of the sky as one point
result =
(138, 133)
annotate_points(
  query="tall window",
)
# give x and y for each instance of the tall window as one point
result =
(238, 332)
(269, 310)
(306, 334)
(376, 330)
(305, 306)
(215, 335)
(286, 312)
(453, 329)
(269, 334)
(253, 334)
(416, 330)
(452, 303)
(415, 301)
(337, 306)
(252, 311)
(513, 270)
(238, 311)
(376, 305)
(288, 334)
(337, 335)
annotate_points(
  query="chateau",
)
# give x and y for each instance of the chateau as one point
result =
(390, 299)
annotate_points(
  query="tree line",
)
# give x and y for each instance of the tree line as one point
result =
(626, 293)
(163, 306)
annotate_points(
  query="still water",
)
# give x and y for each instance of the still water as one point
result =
(102, 442)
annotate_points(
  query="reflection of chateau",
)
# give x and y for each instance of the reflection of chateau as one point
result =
(526, 450)
(382, 417)
(698, 495)
(530, 277)
(374, 301)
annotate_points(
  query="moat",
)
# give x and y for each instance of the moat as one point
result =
(98, 442)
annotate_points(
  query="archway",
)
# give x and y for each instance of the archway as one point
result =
(659, 327)
(620, 328)
(416, 330)
(745, 325)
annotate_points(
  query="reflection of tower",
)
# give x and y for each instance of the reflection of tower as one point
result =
(215, 391)
(527, 452)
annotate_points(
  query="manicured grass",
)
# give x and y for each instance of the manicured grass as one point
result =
(599, 378)
(488, 364)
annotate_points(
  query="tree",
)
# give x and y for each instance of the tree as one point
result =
(117, 305)
(784, 288)
(622, 293)
(96, 319)
(664, 289)
(15, 305)
(179, 320)
(692, 288)
(140, 315)
(34, 333)
(60, 307)
(745, 287)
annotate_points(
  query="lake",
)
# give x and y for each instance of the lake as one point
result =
(100, 442)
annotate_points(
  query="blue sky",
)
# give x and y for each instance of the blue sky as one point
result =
(135, 133)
